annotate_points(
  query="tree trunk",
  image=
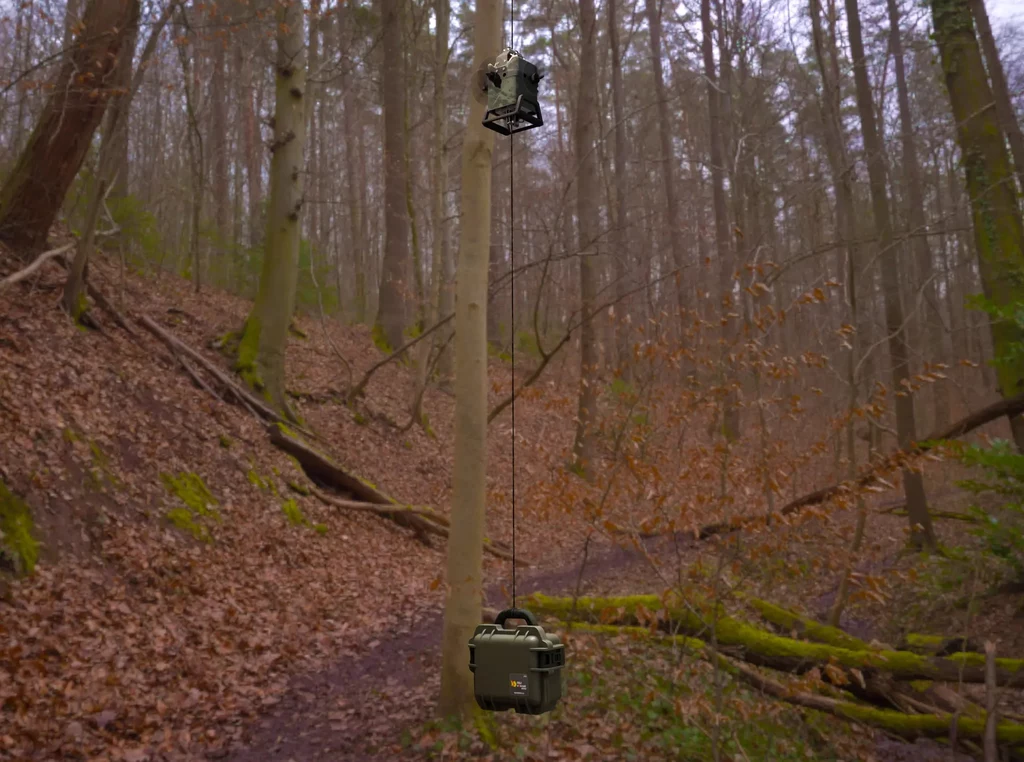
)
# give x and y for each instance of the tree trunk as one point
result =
(394, 287)
(116, 124)
(261, 352)
(1004, 106)
(998, 232)
(439, 264)
(588, 220)
(620, 238)
(219, 150)
(668, 159)
(469, 494)
(913, 185)
(253, 149)
(35, 189)
(722, 241)
(921, 533)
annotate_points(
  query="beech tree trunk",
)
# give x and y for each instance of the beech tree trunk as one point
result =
(261, 352)
(394, 286)
(35, 189)
(588, 220)
(921, 533)
(998, 231)
(722, 241)
(1004, 106)
(915, 215)
(469, 492)
(620, 238)
(668, 157)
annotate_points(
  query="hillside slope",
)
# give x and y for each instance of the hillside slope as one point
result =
(181, 580)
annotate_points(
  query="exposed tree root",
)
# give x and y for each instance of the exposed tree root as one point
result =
(233, 390)
(38, 262)
(363, 496)
(765, 649)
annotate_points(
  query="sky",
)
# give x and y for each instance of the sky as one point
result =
(1005, 10)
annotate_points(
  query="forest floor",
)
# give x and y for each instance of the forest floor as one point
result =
(192, 603)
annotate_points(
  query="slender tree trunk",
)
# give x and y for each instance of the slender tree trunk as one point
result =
(33, 192)
(219, 148)
(913, 185)
(1004, 106)
(439, 263)
(722, 241)
(668, 173)
(587, 212)
(922, 535)
(253, 148)
(394, 287)
(469, 494)
(620, 237)
(261, 352)
(998, 232)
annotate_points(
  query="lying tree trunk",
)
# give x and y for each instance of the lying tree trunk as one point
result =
(893, 462)
(910, 727)
(325, 473)
(765, 649)
(805, 627)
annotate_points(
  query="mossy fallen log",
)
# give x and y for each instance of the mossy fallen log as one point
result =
(908, 726)
(805, 627)
(938, 645)
(764, 649)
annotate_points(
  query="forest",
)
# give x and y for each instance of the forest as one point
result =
(333, 331)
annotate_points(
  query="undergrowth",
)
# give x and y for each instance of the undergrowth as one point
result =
(628, 700)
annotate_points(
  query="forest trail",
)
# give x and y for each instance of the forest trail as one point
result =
(341, 712)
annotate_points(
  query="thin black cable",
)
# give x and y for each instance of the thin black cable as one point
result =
(512, 291)
(511, 267)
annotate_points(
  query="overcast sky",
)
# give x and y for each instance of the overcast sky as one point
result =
(1004, 10)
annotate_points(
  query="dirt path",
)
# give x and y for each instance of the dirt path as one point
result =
(356, 710)
(353, 710)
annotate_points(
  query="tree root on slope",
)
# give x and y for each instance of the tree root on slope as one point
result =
(364, 496)
(358, 493)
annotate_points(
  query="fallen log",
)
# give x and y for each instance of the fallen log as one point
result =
(765, 649)
(890, 463)
(938, 645)
(360, 494)
(804, 626)
(908, 726)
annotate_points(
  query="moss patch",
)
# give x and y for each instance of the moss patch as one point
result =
(199, 504)
(16, 527)
(294, 513)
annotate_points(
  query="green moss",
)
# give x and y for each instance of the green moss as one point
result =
(70, 435)
(320, 529)
(255, 479)
(380, 340)
(225, 441)
(192, 491)
(485, 726)
(297, 332)
(246, 364)
(733, 632)
(302, 489)
(16, 528)
(805, 626)
(185, 520)
(921, 686)
(199, 504)
(294, 513)
(360, 419)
